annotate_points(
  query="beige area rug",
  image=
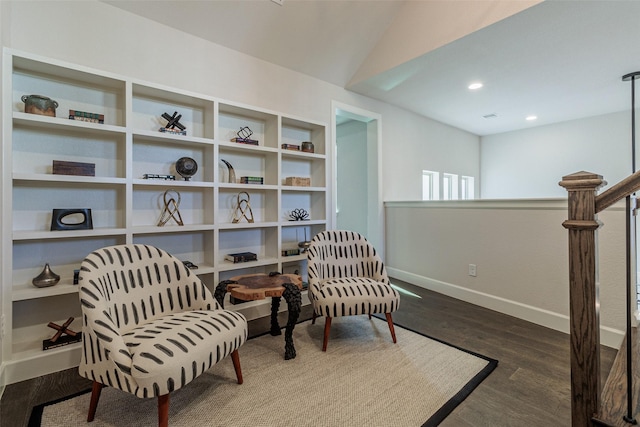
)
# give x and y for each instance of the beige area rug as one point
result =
(362, 380)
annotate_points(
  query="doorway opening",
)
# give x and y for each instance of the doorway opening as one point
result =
(357, 183)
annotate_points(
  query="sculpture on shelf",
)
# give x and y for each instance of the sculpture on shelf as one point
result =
(243, 208)
(304, 245)
(173, 122)
(298, 215)
(63, 335)
(186, 167)
(59, 215)
(171, 206)
(232, 173)
(38, 104)
(243, 136)
(46, 278)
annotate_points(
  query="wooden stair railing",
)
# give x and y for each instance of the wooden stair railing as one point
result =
(582, 224)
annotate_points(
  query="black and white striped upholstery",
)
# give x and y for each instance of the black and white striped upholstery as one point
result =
(347, 277)
(150, 326)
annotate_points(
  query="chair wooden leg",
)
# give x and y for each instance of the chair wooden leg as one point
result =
(390, 322)
(369, 316)
(95, 396)
(327, 328)
(313, 319)
(236, 365)
(163, 410)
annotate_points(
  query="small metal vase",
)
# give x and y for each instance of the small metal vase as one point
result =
(46, 278)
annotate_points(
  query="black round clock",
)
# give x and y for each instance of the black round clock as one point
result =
(186, 167)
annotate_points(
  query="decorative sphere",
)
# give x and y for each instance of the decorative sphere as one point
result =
(186, 167)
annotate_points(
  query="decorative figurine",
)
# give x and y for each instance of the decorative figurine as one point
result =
(38, 104)
(242, 208)
(58, 216)
(173, 122)
(307, 147)
(243, 136)
(304, 245)
(298, 215)
(232, 173)
(63, 335)
(46, 278)
(170, 208)
(186, 167)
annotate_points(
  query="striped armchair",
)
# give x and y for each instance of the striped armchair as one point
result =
(347, 277)
(150, 326)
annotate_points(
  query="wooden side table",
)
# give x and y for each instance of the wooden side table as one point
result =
(251, 287)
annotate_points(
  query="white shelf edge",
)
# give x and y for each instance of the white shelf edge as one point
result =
(168, 229)
(237, 146)
(303, 223)
(39, 120)
(43, 177)
(171, 183)
(168, 138)
(232, 186)
(245, 225)
(230, 266)
(294, 188)
(26, 292)
(67, 234)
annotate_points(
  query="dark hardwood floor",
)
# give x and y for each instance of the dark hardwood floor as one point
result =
(530, 386)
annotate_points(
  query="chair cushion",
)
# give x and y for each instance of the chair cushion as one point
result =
(168, 352)
(355, 295)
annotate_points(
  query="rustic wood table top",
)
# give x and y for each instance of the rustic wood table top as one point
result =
(251, 287)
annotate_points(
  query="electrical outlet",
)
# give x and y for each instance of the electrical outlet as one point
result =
(472, 270)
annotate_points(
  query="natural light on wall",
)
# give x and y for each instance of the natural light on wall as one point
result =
(467, 185)
(430, 185)
(449, 186)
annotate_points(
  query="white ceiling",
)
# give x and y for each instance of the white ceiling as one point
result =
(559, 60)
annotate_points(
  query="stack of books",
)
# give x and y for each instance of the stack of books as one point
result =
(86, 117)
(241, 257)
(290, 252)
(290, 147)
(245, 141)
(251, 180)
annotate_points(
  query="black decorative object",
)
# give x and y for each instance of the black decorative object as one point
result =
(173, 122)
(46, 278)
(156, 176)
(631, 204)
(243, 136)
(186, 167)
(232, 172)
(299, 215)
(171, 206)
(58, 223)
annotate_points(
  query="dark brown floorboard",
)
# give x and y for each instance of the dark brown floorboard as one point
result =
(530, 386)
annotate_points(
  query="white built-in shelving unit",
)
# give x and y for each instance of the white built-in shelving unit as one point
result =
(125, 207)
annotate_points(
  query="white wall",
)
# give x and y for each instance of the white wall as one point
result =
(521, 252)
(530, 163)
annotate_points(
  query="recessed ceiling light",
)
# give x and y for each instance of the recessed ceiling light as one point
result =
(475, 86)
(531, 118)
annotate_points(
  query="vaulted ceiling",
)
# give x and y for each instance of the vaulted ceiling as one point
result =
(558, 60)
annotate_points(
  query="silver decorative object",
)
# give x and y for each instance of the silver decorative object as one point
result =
(46, 278)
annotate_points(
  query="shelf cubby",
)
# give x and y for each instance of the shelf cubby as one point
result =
(231, 118)
(263, 203)
(296, 131)
(194, 246)
(149, 103)
(72, 89)
(195, 204)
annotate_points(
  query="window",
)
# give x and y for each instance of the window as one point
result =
(430, 185)
(449, 186)
(467, 186)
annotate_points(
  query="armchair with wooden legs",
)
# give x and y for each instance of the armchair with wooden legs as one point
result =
(347, 277)
(150, 326)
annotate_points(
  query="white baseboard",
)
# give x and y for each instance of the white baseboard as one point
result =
(608, 336)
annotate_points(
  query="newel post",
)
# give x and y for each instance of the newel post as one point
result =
(583, 296)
